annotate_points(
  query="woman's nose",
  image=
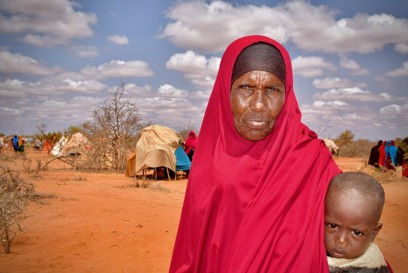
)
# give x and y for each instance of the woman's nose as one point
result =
(259, 100)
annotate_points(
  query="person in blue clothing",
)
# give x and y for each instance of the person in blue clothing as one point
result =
(15, 143)
(391, 153)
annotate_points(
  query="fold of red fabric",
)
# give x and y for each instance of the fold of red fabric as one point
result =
(254, 206)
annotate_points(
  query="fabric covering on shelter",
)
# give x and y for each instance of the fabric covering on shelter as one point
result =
(76, 144)
(156, 148)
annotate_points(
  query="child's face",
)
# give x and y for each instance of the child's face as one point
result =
(350, 224)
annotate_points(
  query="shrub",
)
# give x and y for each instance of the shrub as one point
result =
(14, 194)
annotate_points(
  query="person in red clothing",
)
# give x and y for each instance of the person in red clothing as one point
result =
(381, 151)
(190, 144)
(255, 195)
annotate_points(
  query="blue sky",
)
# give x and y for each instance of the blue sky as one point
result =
(59, 59)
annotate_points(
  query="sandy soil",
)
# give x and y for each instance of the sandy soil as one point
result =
(95, 222)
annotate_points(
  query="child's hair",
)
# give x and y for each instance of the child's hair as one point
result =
(365, 185)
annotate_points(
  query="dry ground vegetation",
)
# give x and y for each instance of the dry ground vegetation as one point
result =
(70, 219)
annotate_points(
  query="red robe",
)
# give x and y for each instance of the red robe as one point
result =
(254, 206)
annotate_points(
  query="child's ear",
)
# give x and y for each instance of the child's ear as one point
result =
(376, 230)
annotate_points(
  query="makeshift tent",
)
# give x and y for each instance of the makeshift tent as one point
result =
(76, 145)
(156, 148)
(57, 149)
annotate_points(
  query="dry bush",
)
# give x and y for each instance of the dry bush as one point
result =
(34, 170)
(358, 148)
(14, 194)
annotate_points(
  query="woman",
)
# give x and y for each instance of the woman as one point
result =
(190, 144)
(255, 195)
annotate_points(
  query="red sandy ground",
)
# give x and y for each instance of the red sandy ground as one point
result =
(102, 223)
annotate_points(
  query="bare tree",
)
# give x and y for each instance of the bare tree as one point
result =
(114, 128)
(14, 194)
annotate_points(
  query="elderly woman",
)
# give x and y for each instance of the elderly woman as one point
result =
(255, 195)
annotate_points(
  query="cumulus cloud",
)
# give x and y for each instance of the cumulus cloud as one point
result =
(351, 94)
(132, 89)
(329, 83)
(353, 66)
(45, 23)
(118, 69)
(335, 103)
(313, 28)
(217, 24)
(196, 68)
(399, 72)
(395, 110)
(17, 63)
(311, 66)
(85, 51)
(119, 39)
(168, 90)
(401, 48)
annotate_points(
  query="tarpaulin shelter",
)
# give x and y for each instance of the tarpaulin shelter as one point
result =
(155, 148)
(76, 145)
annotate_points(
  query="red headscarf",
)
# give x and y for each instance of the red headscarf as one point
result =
(254, 206)
(191, 142)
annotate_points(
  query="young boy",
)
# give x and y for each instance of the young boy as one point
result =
(353, 208)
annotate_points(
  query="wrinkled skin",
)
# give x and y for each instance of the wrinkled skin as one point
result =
(256, 97)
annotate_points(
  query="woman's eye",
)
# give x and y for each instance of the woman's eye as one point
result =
(245, 87)
(357, 233)
(271, 90)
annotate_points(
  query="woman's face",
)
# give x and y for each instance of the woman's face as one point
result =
(256, 97)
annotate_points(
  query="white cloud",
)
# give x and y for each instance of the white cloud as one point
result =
(353, 66)
(399, 72)
(141, 91)
(395, 110)
(313, 28)
(85, 51)
(311, 66)
(217, 24)
(329, 83)
(17, 63)
(45, 23)
(168, 90)
(351, 94)
(401, 48)
(119, 39)
(118, 68)
(196, 68)
(335, 103)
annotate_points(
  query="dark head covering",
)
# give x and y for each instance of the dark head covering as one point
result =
(260, 56)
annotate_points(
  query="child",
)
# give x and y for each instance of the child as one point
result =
(353, 208)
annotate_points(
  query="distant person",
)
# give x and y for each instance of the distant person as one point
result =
(381, 152)
(390, 154)
(190, 144)
(15, 143)
(20, 144)
(353, 207)
(375, 155)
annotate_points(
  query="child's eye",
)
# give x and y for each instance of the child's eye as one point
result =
(358, 233)
(331, 226)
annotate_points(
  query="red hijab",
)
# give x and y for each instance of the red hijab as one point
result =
(254, 206)
(191, 141)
